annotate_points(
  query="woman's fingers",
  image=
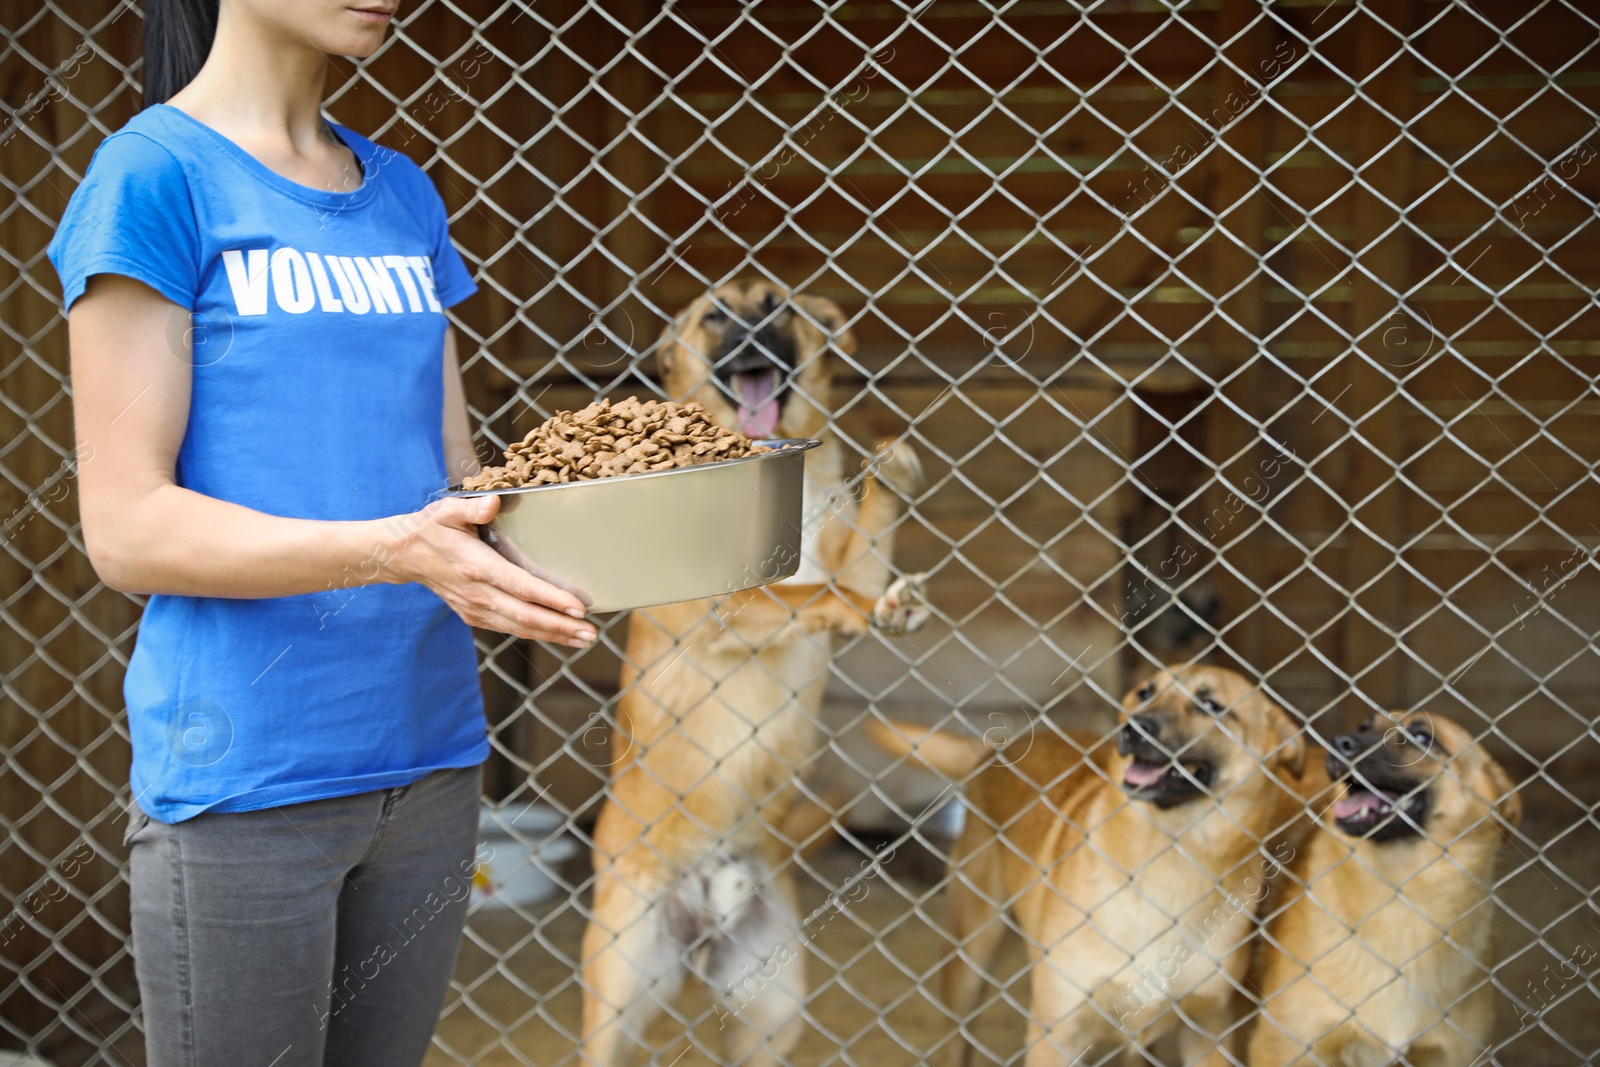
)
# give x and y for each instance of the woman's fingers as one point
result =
(504, 574)
(524, 619)
(502, 625)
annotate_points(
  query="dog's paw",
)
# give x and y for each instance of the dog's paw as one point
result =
(903, 609)
(896, 464)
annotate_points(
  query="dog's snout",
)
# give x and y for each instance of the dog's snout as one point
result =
(1347, 750)
(1137, 730)
(734, 339)
(743, 349)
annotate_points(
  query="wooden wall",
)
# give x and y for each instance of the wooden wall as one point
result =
(65, 976)
(1382, 262)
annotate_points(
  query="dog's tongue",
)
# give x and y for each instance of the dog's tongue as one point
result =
(1141, 773)
(1359, 802)
(758, 402)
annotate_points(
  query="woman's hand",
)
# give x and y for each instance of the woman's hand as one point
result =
(444, 553)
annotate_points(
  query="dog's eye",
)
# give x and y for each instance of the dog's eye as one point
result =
(1212, 705)
(714, 315)
(1146, 691)
(1421, 736)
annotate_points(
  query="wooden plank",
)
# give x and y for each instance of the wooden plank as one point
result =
(630, 238)
(1368, 652)
(1237, 288)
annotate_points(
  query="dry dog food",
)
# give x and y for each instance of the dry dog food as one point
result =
(605, 439)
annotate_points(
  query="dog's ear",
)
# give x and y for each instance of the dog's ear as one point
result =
(667, 351)
(1509, 806)
(1291, 739)
(825, 312)
(821, 309)
(675, 332)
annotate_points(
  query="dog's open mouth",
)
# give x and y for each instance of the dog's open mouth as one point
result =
(1166, 783)
(1379, 814)
(759, 394)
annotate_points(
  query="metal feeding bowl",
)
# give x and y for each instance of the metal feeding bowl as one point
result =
(637, 540)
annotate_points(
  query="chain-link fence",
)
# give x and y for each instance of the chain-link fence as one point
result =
(1254, 335)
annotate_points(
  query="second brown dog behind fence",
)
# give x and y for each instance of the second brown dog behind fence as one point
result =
(1123, 861)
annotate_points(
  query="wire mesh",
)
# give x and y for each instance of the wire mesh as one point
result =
(1258, 335)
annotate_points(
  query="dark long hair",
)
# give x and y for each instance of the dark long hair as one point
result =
(177, 39)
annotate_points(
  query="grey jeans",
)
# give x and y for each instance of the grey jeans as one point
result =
(310, 934)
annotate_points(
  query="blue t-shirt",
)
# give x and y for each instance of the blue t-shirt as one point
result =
(318, 340)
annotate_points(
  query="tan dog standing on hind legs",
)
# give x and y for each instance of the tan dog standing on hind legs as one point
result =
(1384, 956)
(1132, 869)
(721, 703)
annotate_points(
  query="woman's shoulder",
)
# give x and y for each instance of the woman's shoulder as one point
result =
(148, 142)
(139, 165)
(132, 214)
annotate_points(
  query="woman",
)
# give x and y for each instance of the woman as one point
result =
(264, 373)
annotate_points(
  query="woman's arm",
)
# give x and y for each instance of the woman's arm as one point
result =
(145, 533)
(461, 460)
